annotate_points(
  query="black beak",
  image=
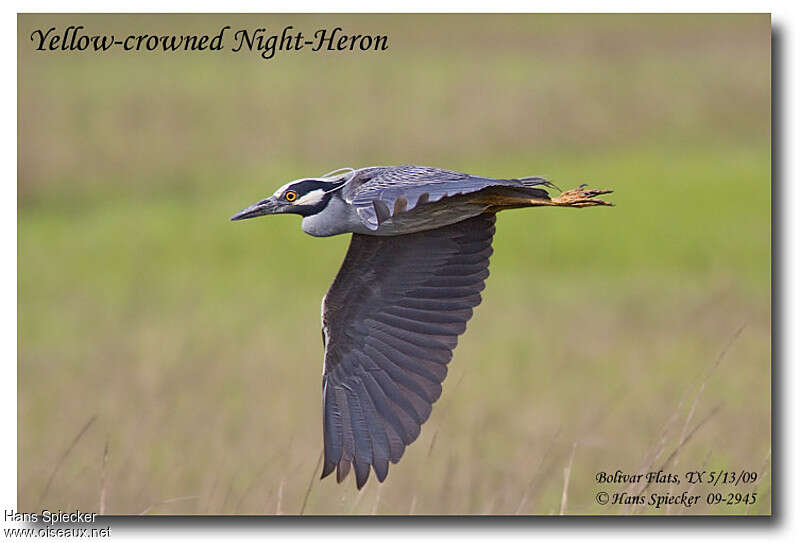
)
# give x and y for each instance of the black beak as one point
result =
(264, 207)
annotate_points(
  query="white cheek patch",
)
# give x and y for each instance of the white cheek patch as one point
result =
(310, 199)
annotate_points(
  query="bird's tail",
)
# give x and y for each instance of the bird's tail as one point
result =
(498, 198)
(504, 197)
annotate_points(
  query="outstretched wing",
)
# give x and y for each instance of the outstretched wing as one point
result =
(381, 192)
(390, 321)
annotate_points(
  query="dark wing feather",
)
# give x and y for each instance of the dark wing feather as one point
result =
(382, 192)
(391, 320)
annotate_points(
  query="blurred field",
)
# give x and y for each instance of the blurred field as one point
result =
(195, 342)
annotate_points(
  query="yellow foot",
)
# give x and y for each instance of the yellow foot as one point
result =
(581, 197)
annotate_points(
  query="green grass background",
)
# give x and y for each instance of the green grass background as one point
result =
(195, 342)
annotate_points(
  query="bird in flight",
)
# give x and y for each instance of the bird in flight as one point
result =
(414, 270)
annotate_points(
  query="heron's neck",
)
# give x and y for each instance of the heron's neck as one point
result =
(334, 218)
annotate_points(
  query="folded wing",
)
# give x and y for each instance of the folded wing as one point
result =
(382, 192)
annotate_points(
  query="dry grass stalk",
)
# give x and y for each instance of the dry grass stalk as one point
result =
(311, 483)
(278, 508)
(682, 443)
(211, 492)
(227, 495)
(169, 500)
(102, 506)
(256, 480)
(356, 501)
(445, 411)
(566, 480)
(760, 476)
(655, 453)
(526, 494)
(699, 393)
(377, 501)
(705, 382)
(64, 457)
(661, 447)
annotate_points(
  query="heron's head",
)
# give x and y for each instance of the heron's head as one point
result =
(302, 197)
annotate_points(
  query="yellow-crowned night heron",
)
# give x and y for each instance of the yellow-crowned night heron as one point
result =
(414, 270)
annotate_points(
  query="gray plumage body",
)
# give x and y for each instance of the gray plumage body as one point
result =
(416, 265)
(397, 200)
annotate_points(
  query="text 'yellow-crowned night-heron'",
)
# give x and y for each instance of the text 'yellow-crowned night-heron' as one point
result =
(414, 270)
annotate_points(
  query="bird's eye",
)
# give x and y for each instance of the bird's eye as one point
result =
(290, 196)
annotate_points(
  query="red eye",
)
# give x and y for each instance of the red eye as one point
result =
(290, 196)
